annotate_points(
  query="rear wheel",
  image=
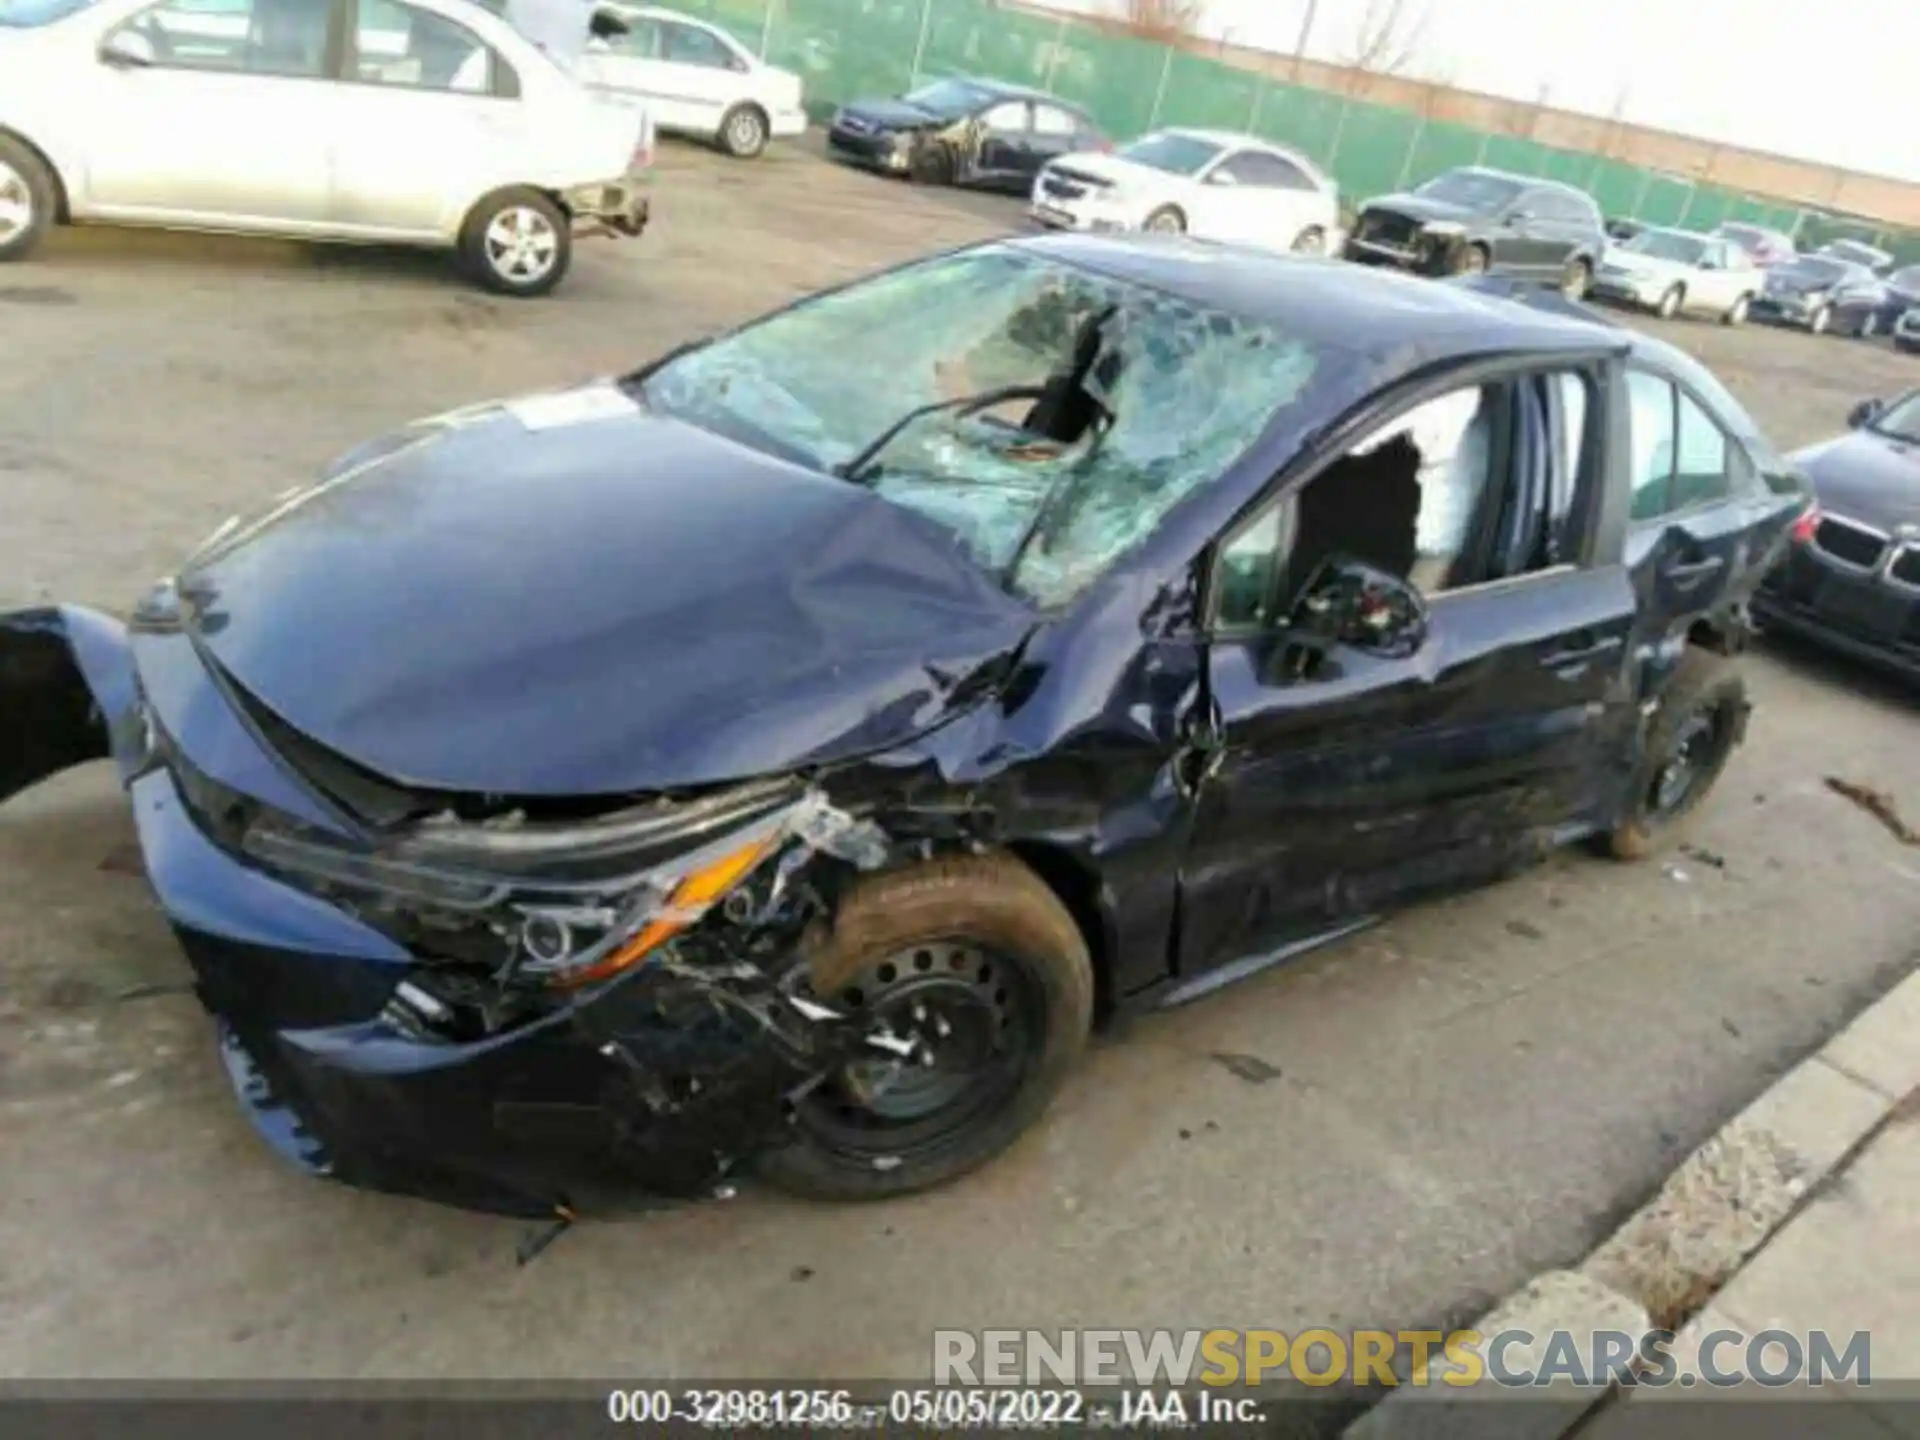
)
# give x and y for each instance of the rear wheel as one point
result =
(1738, 314)
(27, 194)
(980, 981)
(518, 242)
(743, 131)
(1821, 319)
(1670, 303)
(1167, 220)
(1869, 325)
(1688, 745)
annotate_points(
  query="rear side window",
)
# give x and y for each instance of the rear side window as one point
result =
(1682, 457)
(414, 49)
(1266, 170)
(1052, 120)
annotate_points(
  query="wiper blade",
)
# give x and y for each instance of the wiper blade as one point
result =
(856, 467)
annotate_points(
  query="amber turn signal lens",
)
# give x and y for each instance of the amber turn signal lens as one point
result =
(691, 896)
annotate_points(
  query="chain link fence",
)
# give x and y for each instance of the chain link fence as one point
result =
(849, 48)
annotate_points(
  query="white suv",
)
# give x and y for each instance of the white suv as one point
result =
(697, 80)
(425, 122)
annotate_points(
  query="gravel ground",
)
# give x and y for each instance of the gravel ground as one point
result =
(1472, 1093)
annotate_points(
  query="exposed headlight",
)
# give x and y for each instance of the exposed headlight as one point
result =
(565, 905)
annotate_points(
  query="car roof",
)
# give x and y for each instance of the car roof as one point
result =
(1008, 90)
(1699, 235)
(1398, 322)
(1228, 139)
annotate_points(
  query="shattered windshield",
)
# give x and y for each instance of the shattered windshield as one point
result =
(31, 14)
(949, 99)
(1667, 245)
(1175, 154)
(1900, 420)
(1067, 412)
(1471, 190)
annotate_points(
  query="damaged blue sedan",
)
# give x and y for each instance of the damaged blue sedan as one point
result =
(779, 759)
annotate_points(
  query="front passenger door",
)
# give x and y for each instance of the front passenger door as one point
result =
(1006, 138)
(1337, 792)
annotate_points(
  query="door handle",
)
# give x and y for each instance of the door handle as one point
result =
(1581, 648)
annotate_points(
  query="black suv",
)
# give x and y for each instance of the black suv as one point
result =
(1475, 220)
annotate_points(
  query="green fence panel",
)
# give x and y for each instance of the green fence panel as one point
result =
(1615, 186)
(1115, 76)
(1508, 152)
(965, 37)
(1208, 95)
(746, 20)
(1712, 206)
(1664, 200)
(1570, 167)
(843, 49)
(1374, 144)
(1306, 119)
(1442, 145)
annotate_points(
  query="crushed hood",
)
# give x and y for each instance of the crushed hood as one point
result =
(574, 596)
(1866, 476)
(1422, 208)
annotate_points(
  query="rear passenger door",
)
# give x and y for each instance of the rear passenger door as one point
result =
(1697, 498)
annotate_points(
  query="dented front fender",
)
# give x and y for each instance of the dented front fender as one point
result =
(66, 689)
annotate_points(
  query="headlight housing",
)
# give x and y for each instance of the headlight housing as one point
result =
(562, 906)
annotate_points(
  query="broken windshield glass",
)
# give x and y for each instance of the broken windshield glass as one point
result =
(1108, 402)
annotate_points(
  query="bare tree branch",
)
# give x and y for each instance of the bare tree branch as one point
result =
(1162, 19)
(1389, 37)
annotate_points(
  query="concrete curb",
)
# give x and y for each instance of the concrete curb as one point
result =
(1718, 1208)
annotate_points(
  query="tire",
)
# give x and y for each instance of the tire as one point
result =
(1167, 220)
(1707, 688)
(951, 927)
(28, 197)
(1818, 322)
(1671, 302)
(501, 244)
(744, 131)
(1310, 241)
(932, 164)
(1472, 260)
(1576, 278)
(1869, 325)
(1738, 314)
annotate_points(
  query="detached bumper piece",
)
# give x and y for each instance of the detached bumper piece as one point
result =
(621, 208)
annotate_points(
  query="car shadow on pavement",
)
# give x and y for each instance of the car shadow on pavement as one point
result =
(1842, 672)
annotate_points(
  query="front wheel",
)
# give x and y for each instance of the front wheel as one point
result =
(743, 132)
(518, 242)
(1472, 260)
(1870, 325)
(980, 983)
(1738, 314)
(1701, 718)
(1167, 220)
(1575, 279)
(1822, 318)
(1310, 241)
(26, 199)
(1670, 303)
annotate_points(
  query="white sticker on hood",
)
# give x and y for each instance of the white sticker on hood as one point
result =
(571, 407)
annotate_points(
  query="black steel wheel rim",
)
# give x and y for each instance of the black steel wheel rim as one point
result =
(1697, 752)
(976, 1021)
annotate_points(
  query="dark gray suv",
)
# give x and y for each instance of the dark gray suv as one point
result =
(1474, 220)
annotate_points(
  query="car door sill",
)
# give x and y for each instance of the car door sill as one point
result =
(1224, 975)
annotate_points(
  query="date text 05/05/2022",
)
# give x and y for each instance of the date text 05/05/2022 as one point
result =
(998, 1407)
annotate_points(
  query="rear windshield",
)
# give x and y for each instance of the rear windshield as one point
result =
(1175, 154)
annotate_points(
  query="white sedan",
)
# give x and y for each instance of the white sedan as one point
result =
(423, 122)
(1208, 183)
(697, 80)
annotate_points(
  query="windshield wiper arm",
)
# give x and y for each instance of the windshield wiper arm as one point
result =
(855, 468)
